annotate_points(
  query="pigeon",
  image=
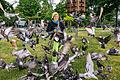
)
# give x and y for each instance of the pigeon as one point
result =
(84, 49)
(98, 56)
(22, 54)
(29, 76)
(84, 40)
(67, 45)
(99, 65)
(21, 36)
(2, 63)
(104, 76)
(6, 66)
(103, 40)
(91, 31)
(109, 68)
(5, 33)
(113, 51)
(32, 44)
(64, 63)
(37, 39)
(9, 15)
(19, 63)
(31, 64)
(74, 49)
(89, 69)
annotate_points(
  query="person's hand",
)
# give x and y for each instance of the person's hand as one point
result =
(59, 31)
(55, 30)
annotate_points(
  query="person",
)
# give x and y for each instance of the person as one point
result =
(55, 25)
(56, 29)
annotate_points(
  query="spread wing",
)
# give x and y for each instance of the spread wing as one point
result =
(89, 64)
(7, 31)
(107, 39)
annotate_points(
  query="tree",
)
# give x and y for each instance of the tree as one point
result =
(61, 8)
(35, 8)
(46, 10)
(29, 7)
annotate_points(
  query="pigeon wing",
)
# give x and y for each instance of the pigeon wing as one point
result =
(7, 31)
(89, 64)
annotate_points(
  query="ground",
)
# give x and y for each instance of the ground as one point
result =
(79, 64)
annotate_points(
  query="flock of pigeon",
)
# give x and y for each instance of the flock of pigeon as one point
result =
(62, 67)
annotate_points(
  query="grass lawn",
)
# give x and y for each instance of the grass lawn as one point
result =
(79, 64)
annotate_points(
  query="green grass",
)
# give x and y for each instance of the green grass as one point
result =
(79, 64)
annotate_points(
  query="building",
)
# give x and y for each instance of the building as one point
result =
(76, 6)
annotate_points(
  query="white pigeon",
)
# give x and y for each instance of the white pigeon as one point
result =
(9, 15)
(91, 31)
(89, 69)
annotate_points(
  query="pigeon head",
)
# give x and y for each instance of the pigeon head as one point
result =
(55, 53)
(29, 73)
(24, 49)
(69, 38)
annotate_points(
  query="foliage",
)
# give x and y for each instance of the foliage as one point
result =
(68, 18)
(61, 8)
(29, 7)
(40, 8)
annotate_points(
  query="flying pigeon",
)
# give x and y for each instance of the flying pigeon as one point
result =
(8, 15)
(21, 36)
(91, 31)
(89, 69)
(22, 53)
(103, 40)
(29, 76)
(98, 56)
(6, 32)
